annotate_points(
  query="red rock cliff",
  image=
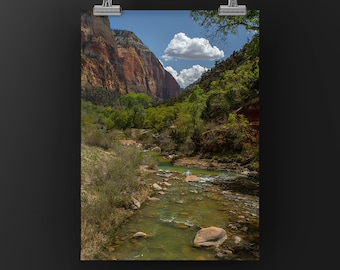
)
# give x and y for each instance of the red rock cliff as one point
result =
(119, 61)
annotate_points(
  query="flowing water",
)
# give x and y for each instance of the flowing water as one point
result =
(172, 222)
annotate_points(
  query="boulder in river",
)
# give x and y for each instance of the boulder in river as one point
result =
(210, 236)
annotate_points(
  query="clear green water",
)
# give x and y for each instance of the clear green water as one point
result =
(166, 165)
(172, 222)
(171, 225)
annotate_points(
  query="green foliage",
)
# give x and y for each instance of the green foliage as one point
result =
(231, 84)
(88, 113)
(251, 50)
(178, 124)
(159, 118)
(135, 104)
(222, 26)
(121, 119)
(183, 123)
(232, 89)
(196, 103)
(188, 122)
(202, 120)
(234, 141)
(127, 111)
(240, 134)
(132, 100)
(217, 104)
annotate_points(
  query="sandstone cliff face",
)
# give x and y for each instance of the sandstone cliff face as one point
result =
(119, 61)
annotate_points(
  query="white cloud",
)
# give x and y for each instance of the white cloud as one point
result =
(187, 75)
(171, 71)
(183, 47)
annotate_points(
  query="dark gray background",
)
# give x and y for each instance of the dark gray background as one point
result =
(40, 153)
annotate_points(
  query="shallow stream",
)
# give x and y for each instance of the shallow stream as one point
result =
(172, 222)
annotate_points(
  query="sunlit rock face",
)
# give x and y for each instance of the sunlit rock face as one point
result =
(119, 61)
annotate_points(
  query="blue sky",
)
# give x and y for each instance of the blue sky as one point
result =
(179, 43)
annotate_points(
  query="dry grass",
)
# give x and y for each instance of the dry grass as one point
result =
(108, 179)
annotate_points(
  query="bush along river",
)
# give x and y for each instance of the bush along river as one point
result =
(193, 215)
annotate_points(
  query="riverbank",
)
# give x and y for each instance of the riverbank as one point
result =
(210, 164)
(240, 204)
(244, 162)
(105, 209)
(192, 162)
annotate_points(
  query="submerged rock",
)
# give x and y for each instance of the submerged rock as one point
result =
(181, 226)
(153, 199)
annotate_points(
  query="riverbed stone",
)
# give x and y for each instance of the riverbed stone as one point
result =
(191, 178)
(181, 225)
(153, 199)
(128, 142)
(135, 203)
(156, 186)
(233, 226)
(166, 184)
(210, 236)
(244, 229)
(237, 239)
(156, 149)
(139, 234)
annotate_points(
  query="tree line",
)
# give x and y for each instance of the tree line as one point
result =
(201, 117)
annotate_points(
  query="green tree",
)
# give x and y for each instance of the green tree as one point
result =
(252, 49)
(184, 124)
(136, 103)
(217, 103)
(188, 118)
(222, 26)
(106, 117)
(196, 105)
(121, 119)
(239, 131)
(232, 89)
(159, 117)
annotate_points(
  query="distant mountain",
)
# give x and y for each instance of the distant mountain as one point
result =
(117, 60)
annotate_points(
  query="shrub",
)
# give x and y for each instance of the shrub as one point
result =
(97, 137)
(109, 178)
